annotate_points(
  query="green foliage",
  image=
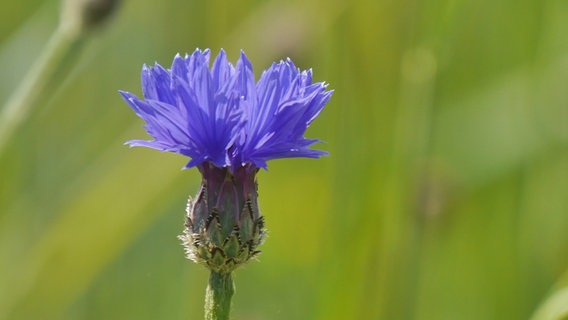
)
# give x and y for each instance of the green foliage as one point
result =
(444, 196)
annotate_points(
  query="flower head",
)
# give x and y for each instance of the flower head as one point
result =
(219, 114)
(230, 126)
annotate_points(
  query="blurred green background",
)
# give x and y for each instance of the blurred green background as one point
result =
(445, 195)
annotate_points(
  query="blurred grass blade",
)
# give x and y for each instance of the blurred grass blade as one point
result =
(80, 242)
(555, 307)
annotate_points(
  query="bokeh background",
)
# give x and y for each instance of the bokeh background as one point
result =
(445, 195)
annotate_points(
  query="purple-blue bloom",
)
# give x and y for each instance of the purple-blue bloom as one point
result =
(219, 114)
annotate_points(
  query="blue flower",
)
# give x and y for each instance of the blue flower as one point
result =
(230, 126)
(219, 114)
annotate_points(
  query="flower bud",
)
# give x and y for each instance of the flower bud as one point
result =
(83, 15)
(223, 228)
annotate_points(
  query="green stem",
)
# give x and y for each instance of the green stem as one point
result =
(37, 81)
(218, 296)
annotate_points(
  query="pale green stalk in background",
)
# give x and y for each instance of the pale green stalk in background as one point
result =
(77, 19)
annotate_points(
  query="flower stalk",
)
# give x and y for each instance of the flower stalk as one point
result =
(218, 296)
(223, 230)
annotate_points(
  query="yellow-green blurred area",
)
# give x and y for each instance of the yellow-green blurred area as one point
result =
(445, 195)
